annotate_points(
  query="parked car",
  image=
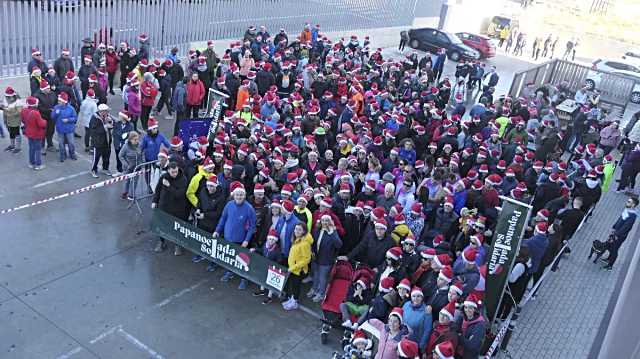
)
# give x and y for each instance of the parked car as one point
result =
(429, 39)
(594, 79)
(609, 65)
(483, 44)
(498, 23)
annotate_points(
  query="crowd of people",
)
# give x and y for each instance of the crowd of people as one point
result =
(515, 42)
(329, 152)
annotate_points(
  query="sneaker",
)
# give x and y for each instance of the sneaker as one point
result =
(347, 324)
(9, 148)
(196, 259)
(94, 174)
(608, 268)
(287, 303)
(107, 172)
(74, 157)
(16, 150)
(159, 247)
(31, 166)
(226, 277)
(260, 292)
(243, 284)
(76, 135)
(212, 267)
(116, 174)
(293, 305)
(177, 251)
(39, 168)
(317, 298)
(267, 300)
(130, 198)
(311, 293)
(307, 279)
(61, 160)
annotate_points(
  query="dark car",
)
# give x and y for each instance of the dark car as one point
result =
(483, 44)
(429, 39)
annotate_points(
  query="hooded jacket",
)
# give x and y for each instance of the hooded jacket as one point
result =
(34, 124)
(300, 255)
(130, 156)
(65, 118)
(325, 248)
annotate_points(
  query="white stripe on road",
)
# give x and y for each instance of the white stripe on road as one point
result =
(60, 179)
(310, 311)
(105, 334)
(72, 352)
(136, 342)
(173, 297)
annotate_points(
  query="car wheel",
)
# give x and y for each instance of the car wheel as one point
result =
(454, 56)
(414, 43)
(635, 97)
(590, 84)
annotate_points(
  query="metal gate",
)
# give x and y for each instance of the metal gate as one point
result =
(52, 25)
(615, 90)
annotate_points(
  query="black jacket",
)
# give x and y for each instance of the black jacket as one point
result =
(264, 79)
(98, 134)
(173, 198)
(211, 205)
(371, 250)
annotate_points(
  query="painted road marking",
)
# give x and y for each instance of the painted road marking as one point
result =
(140, 345)
(60, 179)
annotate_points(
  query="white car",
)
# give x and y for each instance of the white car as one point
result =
(594, 78)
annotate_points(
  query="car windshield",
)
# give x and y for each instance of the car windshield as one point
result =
(454, 39)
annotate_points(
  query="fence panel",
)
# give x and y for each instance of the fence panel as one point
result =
(51, 27)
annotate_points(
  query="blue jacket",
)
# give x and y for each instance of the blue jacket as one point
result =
(267, 110)
(408, 155)
(329, 246)
(150, 146)
(178, 102)
(290, 223)
(119, 129)
(65, 118)
(419, 321)
(623, 226)
(537, 246)
(459, 200)
(238, 222)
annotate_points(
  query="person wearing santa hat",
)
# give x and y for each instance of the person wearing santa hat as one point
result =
(373, 247)
(445, 218)
(299, 258)
(270, 250)
(65, 118)
(169, 196)
(467, 270)
(237, 223)
(357, 302)
(359, 347)
(195, 94)
(537, 245)
(326, 244)
(11, 109)
(100, 138)
(384, 301)
(34, 130)
(472, 329)
(408, 349)
(285, 225)
(441, 295)
(47, 100)
(391, 334)
(444, 350)
(119, 133)
(416, 317)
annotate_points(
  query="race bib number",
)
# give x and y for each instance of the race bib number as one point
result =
(275, 278)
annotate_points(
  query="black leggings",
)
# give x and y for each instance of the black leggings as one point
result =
(111, 77)
(294, 285)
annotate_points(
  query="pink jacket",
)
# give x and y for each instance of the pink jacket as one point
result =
(610, 136)
(387, 345)
(133, 102)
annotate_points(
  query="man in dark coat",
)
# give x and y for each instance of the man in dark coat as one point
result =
(170, 196)
(373, 248)
(621, 229)
(265, 79)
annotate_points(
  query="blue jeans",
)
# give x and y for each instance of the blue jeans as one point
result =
(35, 152)
(320, 276)
(68, 137)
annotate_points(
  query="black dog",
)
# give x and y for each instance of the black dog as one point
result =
(599, 247)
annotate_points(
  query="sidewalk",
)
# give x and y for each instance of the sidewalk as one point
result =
(564, 320)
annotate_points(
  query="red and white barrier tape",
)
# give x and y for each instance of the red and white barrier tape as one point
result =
(75, 192)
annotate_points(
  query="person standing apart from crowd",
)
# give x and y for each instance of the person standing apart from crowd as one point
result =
(100, 139)
(65, 118)
(34, 130)
(568, 49)
(120, 132)
(195, 96)
(47, 99)
(404, 39)
(237, 224)
(11, 109)
(504, 34)
(621, 229)
(130, 155)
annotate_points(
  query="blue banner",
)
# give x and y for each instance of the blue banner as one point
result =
(191, 129)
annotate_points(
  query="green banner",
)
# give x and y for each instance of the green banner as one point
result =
(230, 256)
(504, 249)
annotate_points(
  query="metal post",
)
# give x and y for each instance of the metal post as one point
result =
(164, 6)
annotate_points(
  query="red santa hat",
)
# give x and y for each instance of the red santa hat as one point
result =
(212, 180)
(258, 188)
(445, 350)
(63, 97)
(236, 186)
(442, 260)
(446, 274)
(397, 312)
(449, 310)
(287, 189)
(456, 287)
(472, 301)
(386, 284)
(469, 255)
(394, 253)
(428, 253)
(152, 124)
(439, 238)
(408, 349)
(288, 206)
(208, 164)
(163, 153)
(326, 202)
(176, 142)
(541, 227)
(381, 223)
(405, 283)
(399, 219)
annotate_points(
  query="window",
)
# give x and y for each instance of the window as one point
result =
(442, 38)
(621, 66)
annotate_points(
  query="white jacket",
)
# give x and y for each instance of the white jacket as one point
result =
(88, 108)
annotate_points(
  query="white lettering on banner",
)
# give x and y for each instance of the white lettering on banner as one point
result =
(502, 245)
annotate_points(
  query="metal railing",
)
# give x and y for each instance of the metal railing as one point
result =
(615, 90)
(169, 23)
(138, 189)
(503, 335)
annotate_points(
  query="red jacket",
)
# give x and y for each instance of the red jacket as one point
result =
(112, 61)
(148, 93)
(34, 124)
(195, 93)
